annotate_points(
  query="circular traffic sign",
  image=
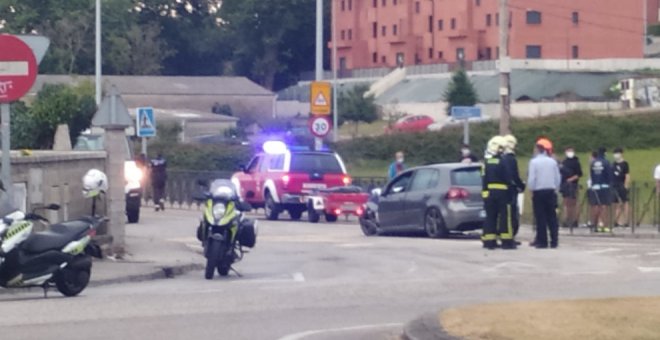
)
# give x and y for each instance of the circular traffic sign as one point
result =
(18, 68)
(319, 126)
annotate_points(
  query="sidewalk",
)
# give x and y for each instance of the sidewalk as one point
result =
(644, 231)
(161, 246)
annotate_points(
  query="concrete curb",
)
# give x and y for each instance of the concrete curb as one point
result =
(624, 236)
(165, 272)
(426, 327)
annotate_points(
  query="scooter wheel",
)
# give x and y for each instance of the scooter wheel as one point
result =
(70, 282)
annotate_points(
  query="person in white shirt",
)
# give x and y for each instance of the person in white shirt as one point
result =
(656, 176)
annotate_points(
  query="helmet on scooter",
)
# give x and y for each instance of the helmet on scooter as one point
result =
(94, 183)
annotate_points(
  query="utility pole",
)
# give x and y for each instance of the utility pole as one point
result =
(318, 142)
(97, 77)
(645, 7)
(505, 70)
(335, 39)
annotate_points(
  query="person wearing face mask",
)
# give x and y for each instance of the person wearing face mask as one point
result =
(466, 155)
(620, 187)
(397, 166)
(571, 172)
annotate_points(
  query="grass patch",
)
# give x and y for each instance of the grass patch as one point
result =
(629, 318)
(377, 128)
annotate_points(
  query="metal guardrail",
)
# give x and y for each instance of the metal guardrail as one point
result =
(182, 186)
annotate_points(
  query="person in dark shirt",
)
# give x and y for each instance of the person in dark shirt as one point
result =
(467, 156)
(516, 185)
(571, 172)
(159, 180)
(601, 196)
(620, 187)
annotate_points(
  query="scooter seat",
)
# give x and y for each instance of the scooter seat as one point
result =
(56, 238)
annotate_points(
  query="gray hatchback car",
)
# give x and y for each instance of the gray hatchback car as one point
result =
(435, 199)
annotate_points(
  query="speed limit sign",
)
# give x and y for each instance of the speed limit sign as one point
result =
(319, 126)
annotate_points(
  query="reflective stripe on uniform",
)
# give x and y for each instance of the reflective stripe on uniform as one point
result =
(509, 226)
(489, 237)
(485, 194)
(498, 186)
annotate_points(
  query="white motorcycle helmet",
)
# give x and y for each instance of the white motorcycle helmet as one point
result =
(94, 183)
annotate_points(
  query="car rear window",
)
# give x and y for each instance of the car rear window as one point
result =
(466, 177)
(315, 162)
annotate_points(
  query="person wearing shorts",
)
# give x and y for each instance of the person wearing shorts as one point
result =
(600, 196)
(571, 171)
(620, 187)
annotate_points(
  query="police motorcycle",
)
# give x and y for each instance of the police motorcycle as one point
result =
(59, 256)
(224, 230)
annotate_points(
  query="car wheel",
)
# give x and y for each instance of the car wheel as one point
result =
(295, 214)
(434, 225)
(369, 227)
(330, 217)
(271, 209)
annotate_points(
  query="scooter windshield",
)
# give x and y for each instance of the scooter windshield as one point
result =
(222, 189)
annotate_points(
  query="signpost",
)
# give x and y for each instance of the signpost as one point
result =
(464, 113)
(18, 72)
(320, 105)
(145, 125)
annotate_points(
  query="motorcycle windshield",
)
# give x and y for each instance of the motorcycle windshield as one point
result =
(222, 189)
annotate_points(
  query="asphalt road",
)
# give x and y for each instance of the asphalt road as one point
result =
(328, 281)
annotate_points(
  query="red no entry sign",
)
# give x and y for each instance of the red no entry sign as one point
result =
(18, 68)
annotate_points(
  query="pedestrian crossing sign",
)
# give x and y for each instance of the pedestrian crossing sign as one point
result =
(320, 98)
(145, 123)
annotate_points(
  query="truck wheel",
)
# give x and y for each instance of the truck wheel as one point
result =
(271, 209)
(313, 216)
(133, 214)
(331, 217)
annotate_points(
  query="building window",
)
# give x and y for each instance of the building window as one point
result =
(383, 59)
(497, 19)
(417, 7)
(342, 63)
(374, 57)
(343, 35)
(394, 2)
(384, 3)
(489, 53)
(395, 29)
(350, 34)
(375, 3)
(453, 23)
(460, 54)
(400, 59)
(533, 51)
(430, 53)
(576, 17)
(350, 5)
(533, 17)
(441, 55)
(489, 20)
(478, 2)
(441, 25)
(576, 51)
(497, 52)
(343, 5)
(430, 23)
(374, 30)
(383, 31)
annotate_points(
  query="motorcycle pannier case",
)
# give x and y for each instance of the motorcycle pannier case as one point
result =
(247, 234)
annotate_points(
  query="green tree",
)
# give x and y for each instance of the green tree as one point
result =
(355, 107)
(33, 127)
(460, 92)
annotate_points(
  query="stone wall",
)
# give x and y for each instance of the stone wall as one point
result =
(47, 177)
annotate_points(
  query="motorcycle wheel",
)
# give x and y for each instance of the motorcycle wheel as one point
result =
(223, 270)
(70, 282)
(213, 255)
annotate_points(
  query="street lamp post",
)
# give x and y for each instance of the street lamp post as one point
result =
(98, 54)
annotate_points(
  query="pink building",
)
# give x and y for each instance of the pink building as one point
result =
(386, 33)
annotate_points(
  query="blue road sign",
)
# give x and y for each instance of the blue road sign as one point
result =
(465, 112)
(145, 124)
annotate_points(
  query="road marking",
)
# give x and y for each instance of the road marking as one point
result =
(657, 253)
(603, 251)
(298, 277)
(649, 269)
(355, 245)
(629, 256)
(302, 335)
(510, 265)
(586, 273)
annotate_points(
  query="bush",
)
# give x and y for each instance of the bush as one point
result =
(582, 130)
(202, 157)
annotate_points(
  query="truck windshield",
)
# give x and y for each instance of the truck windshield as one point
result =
(315, 162)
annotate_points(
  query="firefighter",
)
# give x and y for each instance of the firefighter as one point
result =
(496, 181)
(516, 185)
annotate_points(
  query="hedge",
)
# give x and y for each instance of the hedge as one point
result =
(582, 130)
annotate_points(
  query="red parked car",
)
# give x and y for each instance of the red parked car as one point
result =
(417, 123)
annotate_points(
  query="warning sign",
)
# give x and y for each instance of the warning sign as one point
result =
(320, 98)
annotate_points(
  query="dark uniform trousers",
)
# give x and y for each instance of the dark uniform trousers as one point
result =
(498, 216)
(515, 215)
(545, 212)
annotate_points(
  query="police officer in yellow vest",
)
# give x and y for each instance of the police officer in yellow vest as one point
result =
(496, 180)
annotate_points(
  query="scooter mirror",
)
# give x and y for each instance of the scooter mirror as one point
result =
(244, 206)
